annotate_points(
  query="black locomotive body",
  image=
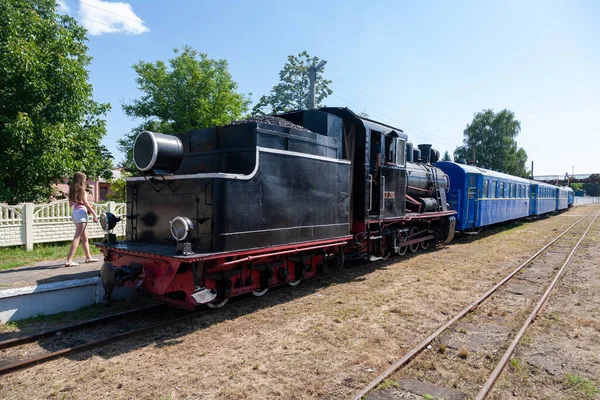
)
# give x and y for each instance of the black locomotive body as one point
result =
(235, 209)
(245, 186)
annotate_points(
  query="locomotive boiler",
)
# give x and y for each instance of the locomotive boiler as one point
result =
(235, 209)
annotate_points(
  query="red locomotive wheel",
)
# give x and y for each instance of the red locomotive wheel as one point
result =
(415, 246)
(402, 249)
(260, 292)
(217, 305)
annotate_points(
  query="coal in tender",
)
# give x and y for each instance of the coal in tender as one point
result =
(272, 120)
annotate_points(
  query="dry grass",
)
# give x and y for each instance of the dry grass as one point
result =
(323, 339)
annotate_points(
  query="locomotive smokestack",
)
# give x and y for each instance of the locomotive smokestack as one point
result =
(425, 153)
(156, 151)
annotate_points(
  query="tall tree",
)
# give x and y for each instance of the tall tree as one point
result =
(490, 141)
(193, 92)
(446, 156)
(50, 126)
(592, 188)
(291, 93)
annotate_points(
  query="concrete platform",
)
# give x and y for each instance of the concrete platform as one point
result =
(49, 288)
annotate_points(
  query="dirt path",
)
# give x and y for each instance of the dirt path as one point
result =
(322, 339)
(561, 358)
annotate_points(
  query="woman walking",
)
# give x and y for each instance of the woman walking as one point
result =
(81, 208)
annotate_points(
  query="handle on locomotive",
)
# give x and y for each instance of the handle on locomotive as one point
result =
(382, 192)
(370, 180)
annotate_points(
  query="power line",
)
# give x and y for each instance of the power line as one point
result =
(428, 136)
(138, 20)
(384, 104)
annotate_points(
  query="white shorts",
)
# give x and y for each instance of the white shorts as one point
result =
(79, 216)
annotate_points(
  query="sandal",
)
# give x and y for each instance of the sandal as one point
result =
(71, 264)
(90, 260)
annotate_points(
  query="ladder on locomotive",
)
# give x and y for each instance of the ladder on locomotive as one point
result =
(438, 194)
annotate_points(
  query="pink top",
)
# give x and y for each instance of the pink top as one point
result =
(78, 206)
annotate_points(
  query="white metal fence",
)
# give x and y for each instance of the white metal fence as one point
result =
(579, 200)
(28, 223)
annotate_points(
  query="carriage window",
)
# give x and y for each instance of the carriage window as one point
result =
(501, 191)
(514, 190)
(472, 181)
(493, 192)
(485, 188)
(509, 189)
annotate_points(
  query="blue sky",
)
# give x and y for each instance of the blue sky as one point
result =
(425, 67)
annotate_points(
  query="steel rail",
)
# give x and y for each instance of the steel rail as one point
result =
(91, 345)
(423, 344)
(500, 367)
(40, 335)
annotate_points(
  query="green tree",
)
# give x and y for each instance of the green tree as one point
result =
(592, 188)
(50, 126)
(117, 187)
(193, 92)
(491, 139)
(446, 156)
(291, 93)
(576, 186)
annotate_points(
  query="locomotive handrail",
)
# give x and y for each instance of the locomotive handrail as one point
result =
(382, 206)
(370, 180)
(226, 175)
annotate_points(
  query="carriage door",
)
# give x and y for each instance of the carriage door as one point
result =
(471, 199)
(375, 198)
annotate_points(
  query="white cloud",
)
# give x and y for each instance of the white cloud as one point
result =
(100, 17)
(63, 6)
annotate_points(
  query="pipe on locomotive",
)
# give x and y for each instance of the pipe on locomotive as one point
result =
(157, 152)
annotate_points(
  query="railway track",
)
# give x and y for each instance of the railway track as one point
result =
(537, 271)
(53, 334)
(45, 338)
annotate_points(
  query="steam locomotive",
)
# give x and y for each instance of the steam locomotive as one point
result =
(236, 209)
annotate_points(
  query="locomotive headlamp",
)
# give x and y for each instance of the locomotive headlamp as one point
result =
(181, 228)
(108, 221)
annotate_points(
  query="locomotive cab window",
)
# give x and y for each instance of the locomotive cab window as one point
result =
(395, 150)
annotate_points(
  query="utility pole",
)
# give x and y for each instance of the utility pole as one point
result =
(312, 78)
(532, 170)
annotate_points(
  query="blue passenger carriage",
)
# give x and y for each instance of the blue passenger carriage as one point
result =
(482, 197)
(543, 198)
(571, 197)
(562, 201)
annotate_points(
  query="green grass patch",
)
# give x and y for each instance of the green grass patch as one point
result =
(582, 385)
(387, 384)
(12, 257)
